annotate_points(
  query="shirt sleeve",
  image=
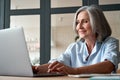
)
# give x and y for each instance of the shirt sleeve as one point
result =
(65, 57)
(112, 51)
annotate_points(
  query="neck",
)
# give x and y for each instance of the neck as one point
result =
(90, 44)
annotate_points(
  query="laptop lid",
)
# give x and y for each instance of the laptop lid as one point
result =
(14, 56)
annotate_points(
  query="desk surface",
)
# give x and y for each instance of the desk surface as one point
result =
(41, 78)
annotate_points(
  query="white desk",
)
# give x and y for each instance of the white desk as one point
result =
(41, 78)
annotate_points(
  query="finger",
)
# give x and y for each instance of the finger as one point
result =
(62, 70)
(54, 68)
(52, 71)
(52, 64)
(49, 71)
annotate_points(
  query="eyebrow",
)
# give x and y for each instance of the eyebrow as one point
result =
(82, 19)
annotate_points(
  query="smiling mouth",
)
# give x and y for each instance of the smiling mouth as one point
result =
(81, 32)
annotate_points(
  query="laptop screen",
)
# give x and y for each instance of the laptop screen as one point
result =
(14, 57)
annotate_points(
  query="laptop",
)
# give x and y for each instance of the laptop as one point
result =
(14, 56)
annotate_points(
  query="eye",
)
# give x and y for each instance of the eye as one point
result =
(85, 21)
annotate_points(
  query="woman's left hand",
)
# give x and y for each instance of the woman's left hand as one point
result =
(61, 68)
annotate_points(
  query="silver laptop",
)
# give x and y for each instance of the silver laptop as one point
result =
(14, 56)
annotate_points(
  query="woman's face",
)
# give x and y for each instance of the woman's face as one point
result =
(83, 26)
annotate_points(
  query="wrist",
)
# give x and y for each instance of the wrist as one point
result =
(77, 71)
(74, 71)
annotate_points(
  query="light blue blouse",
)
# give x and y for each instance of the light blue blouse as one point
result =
(76, 53)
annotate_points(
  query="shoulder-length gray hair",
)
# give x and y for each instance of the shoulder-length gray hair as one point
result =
(98, 22)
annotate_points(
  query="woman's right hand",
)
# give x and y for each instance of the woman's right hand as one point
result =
(40, 69)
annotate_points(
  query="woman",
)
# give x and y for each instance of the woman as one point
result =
(95, 52)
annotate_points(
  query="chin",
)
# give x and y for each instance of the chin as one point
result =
(82, 36)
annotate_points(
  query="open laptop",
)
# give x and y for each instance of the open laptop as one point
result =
(14, 56)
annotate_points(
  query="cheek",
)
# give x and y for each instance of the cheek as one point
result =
(88, 27)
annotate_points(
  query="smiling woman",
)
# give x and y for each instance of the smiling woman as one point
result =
(83, 26)
(95, 52)
(61, 22)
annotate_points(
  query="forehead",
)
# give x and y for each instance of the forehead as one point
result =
(83, 15)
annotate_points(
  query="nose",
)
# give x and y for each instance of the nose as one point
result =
(79, 26)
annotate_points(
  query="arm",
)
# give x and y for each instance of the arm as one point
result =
(100, 68)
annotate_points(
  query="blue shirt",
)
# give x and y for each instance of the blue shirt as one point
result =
(77, 53)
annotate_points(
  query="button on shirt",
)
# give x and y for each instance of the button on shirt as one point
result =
(76, 55)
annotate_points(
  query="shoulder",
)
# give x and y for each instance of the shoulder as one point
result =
(110, 39)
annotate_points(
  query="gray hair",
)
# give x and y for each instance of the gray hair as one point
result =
(98, 22)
